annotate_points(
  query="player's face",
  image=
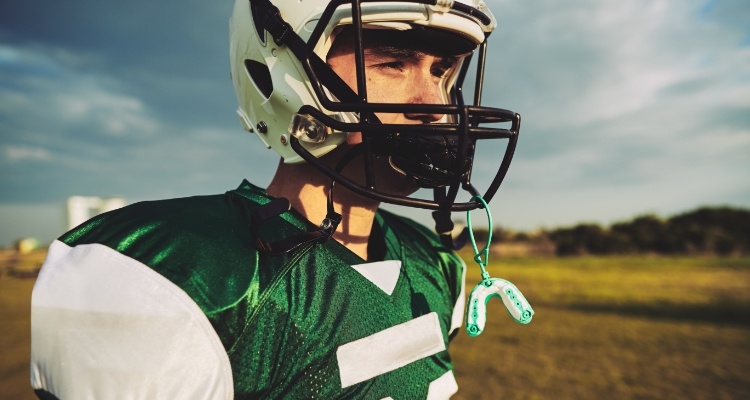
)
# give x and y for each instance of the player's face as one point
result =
(395, 75)
(409, 74)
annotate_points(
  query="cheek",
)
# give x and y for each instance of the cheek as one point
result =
(342, 65)
(385, 91)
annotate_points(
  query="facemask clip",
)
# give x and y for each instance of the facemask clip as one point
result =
(307, 129)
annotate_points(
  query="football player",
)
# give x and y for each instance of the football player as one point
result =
(305, 289)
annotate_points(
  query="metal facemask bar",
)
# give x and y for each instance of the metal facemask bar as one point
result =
(465, 127)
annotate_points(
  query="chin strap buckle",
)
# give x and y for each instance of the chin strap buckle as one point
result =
(330, 223)
(271, 20)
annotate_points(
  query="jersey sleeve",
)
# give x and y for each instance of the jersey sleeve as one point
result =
(107, 326)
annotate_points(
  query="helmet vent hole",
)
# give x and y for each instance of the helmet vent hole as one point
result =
(261, 77)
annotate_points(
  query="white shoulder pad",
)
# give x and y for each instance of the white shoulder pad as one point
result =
(105, 326)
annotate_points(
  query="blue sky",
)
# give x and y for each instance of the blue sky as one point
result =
(628, 108)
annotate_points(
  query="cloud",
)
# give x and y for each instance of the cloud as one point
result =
(595, 61)
(639, 100)
(105, 112)
(628, 107)
(49, 106)
(16, 153)
(67, 131)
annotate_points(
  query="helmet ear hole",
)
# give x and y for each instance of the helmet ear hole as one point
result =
(261, 77)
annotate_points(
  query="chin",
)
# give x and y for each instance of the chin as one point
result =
(392, 181)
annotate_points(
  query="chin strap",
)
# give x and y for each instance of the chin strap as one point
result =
(281, 205)
(444, 227)
(444, 224)
(488, 287)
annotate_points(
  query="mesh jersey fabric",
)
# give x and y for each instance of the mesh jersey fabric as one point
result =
(290, 324)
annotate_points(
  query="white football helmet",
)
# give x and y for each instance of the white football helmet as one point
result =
(292, 100)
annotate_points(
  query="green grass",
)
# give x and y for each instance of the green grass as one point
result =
(604, 328)
(15, 300)
(15, 327)
(614, 328)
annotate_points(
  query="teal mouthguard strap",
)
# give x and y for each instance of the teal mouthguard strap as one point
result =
(515, 302)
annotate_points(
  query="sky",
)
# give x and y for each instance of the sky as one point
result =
(629, 108)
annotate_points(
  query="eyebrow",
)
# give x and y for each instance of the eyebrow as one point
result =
(399, 53)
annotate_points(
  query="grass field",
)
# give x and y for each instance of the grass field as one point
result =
(614, 328)
(15, 297)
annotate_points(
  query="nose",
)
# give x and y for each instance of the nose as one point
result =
(425, 91)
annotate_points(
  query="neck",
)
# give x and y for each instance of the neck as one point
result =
(307, 191)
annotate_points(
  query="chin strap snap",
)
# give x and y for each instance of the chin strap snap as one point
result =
(515, 302)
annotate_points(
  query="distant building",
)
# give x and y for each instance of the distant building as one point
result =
(81, 208)
(27, 245)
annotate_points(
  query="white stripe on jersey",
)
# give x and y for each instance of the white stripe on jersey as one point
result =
(384, 274)
(443, 387)
(458, 310)
(389, 349)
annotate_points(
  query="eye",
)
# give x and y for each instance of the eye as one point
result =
(440, 71)
(395, 65)
(442, 68)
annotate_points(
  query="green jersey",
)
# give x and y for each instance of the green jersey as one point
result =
(171, 299)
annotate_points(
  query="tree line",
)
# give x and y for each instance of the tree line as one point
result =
(707, 230)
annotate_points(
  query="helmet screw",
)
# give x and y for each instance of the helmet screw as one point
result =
(262, 127)
(283, 139)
